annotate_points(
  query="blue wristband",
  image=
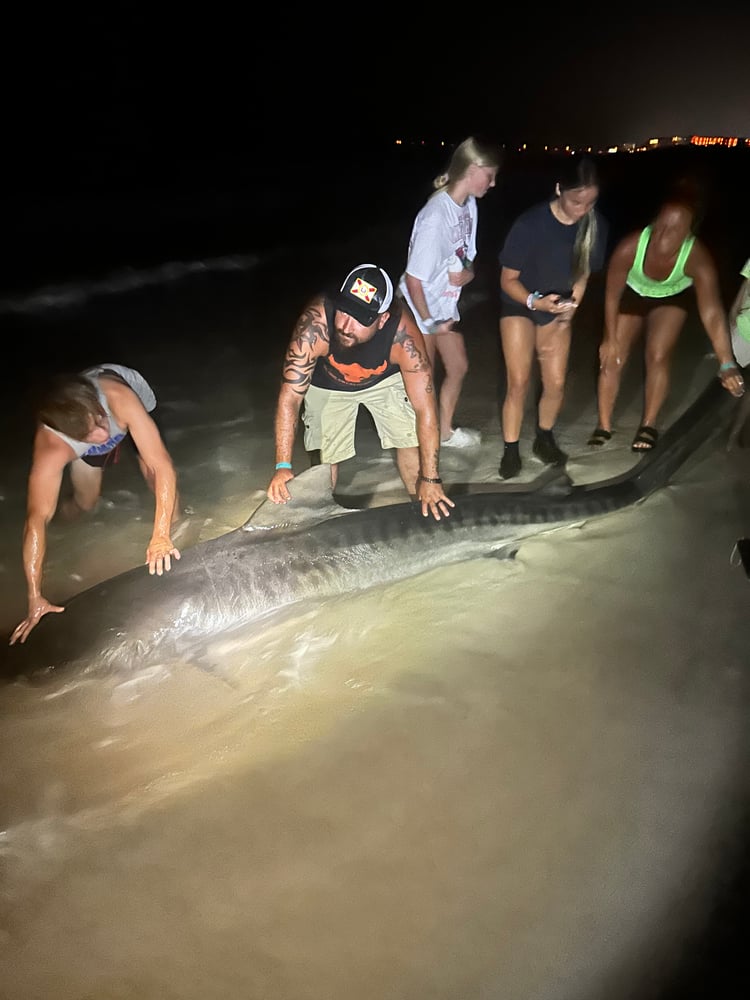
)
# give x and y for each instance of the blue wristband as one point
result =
(283, 465)
(727, 366)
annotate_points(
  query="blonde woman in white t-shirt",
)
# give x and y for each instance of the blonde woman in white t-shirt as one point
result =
(440, 263)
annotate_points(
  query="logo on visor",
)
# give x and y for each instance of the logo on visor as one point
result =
(362, 290)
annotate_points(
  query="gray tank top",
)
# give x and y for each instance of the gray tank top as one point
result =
(140, 387)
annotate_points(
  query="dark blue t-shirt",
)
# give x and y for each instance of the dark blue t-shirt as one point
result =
(541, 249)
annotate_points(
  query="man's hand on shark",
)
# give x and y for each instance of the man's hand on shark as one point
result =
(277, 489)
(433, 500)
(159, 555)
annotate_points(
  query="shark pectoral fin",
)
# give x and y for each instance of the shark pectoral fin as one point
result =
(508, 551)
(312, 501)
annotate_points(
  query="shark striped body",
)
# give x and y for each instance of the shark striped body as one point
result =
(313, 548)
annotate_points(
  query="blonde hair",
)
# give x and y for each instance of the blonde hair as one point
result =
(581, 173)
(471, 152)
(584, 245)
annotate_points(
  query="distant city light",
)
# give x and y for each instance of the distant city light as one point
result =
(657, 142)
(715, 140)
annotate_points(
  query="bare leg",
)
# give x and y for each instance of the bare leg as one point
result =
(87, 488)
(553, 350)
(452, 350)
(608, 384)
(315, 459)
(662, 333)
(407, 460)
(431, 347)
(517, 335)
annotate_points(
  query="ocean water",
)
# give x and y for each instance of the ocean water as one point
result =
(108, 231)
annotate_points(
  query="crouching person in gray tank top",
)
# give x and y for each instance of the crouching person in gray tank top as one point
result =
(82, 420)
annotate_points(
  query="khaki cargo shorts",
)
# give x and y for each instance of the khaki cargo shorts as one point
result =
(330, 418)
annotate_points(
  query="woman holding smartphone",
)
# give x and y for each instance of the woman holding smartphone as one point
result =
(546, 260)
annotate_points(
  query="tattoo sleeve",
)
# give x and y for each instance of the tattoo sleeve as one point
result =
(417, 356)
(310, 332)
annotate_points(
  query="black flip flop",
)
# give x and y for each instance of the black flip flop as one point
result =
(645, 439)
(599, 437)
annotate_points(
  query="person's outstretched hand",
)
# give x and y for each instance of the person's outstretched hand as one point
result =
(159, 554)
(732, 380)
(433, 500)
(277, 489)
(609, 355)
(38, 607)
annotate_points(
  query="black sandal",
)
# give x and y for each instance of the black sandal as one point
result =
(599, 437)
(645, 439)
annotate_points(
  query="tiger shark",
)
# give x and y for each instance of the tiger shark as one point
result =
(313, 548)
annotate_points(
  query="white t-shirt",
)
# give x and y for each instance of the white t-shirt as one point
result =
(441, 230)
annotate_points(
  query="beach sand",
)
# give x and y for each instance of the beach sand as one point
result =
(500, 779)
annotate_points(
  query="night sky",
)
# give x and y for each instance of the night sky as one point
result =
(288, 83)
(595, 79)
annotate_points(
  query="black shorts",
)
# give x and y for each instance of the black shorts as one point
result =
(633, 304)
(517, 309)
(108, 458)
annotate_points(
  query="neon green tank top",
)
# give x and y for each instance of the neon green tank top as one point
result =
(678, 281)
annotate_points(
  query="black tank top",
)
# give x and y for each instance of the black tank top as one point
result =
(349, 369)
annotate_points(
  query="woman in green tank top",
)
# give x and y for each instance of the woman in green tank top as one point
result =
(650, 278)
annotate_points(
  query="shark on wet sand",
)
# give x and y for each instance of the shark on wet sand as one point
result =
(313, 548)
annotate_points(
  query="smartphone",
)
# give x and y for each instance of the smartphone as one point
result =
(563, 298)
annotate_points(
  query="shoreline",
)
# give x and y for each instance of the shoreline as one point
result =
(86, 228)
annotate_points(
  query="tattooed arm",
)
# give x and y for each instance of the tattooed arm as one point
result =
(310, 341)
(410, 354)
